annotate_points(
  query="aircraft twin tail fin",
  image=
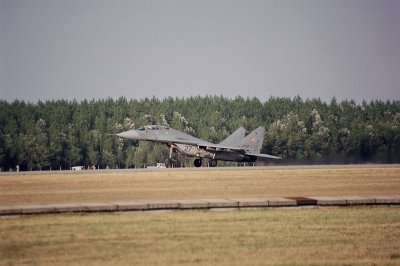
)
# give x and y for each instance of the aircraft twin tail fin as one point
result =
(234, 138)
(253, 142)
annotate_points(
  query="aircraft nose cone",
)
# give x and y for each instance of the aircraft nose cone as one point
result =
(131, 134)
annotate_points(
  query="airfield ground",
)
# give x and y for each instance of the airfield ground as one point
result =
(205, 183)
(362, 235)
(327, 236)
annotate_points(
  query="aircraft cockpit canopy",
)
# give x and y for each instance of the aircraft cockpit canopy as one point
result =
(153, 127)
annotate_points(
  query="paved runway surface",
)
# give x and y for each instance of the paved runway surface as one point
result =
(204, 188)
(272, 167)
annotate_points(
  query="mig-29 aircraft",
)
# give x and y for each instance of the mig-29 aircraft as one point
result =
(237, 147)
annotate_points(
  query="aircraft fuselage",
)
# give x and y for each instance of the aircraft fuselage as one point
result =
(235, 148)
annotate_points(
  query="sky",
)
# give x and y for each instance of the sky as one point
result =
(95, 49)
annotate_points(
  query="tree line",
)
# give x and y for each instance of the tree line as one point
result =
(61, 134)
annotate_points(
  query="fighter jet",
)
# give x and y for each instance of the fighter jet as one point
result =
(237, 147)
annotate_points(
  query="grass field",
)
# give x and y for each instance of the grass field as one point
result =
(94, 186)
(324, 236)
(327, 236)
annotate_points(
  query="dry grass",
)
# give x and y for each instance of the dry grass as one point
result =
(329, 236)
(188, 184)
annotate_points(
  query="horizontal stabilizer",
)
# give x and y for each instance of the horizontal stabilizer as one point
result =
(265, 156)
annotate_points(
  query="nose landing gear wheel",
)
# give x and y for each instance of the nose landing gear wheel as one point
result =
(213, 163)
(198, 162)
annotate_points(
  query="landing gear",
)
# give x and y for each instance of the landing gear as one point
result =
(213, 163)
(198, 162)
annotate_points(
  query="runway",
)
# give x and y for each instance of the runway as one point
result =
(204, 169)
(204, 188)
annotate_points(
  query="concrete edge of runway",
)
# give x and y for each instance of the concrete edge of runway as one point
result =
(198, 204)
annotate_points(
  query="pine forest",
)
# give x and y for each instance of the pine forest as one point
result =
(60, 134)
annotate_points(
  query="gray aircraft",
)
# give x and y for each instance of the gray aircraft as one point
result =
(237, 147)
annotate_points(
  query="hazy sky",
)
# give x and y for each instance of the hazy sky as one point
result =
(66, 49)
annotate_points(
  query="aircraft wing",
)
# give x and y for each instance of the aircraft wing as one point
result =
(217, 147)
(197, 143)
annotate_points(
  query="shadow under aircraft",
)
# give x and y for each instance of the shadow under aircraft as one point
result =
(237, 147)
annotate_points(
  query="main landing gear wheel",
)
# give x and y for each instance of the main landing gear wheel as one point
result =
(213, 163)
(198, 162)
